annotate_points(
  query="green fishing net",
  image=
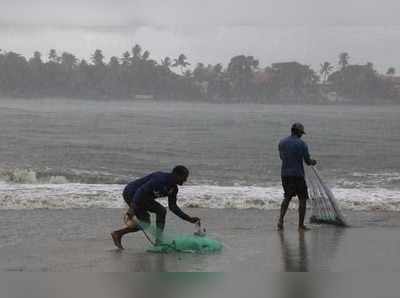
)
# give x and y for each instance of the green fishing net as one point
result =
(188, 244)
(182, 243)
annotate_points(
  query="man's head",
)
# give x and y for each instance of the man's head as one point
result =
(298, 129)
(181, 173)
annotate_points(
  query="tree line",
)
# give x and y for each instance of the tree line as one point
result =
(135, 73)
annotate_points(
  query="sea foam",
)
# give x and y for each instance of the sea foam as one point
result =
(75, 195)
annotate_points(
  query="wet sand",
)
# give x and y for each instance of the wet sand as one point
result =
(77, 240)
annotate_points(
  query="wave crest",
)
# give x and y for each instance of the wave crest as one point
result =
(65, 196)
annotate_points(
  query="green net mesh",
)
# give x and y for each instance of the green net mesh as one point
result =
(188, 244)
(183, 243)
(325, 209)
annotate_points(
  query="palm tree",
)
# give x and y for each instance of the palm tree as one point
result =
(114, 63)
(137, 52)
(181, 62)
(68, 60)
(326, 69)
(241, 73)
(218, 68)
(166, 62)
(36, 59)
(97, 58)
(145, 55)
(344, 59)
(53, 56)
(126, 58)
(391, 71)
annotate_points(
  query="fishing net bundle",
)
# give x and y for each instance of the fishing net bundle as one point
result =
(325, 209)
(196, 243)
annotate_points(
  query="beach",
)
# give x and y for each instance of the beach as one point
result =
(78, 240)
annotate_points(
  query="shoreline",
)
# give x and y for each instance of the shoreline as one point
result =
(375, 103)
(78, 240)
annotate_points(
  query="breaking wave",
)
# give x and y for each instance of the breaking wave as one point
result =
(49, 176)
(76, 195)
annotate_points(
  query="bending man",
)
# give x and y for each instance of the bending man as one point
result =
(293, 151)
(141, 195)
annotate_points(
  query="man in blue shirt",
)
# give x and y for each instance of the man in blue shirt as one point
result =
(293, 151)
(141, 195)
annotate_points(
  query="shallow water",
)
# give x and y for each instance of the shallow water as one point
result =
(231, 151)
(79, 240)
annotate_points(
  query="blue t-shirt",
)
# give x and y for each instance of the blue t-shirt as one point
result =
(150, 187)
(153, 186)
(293, 151)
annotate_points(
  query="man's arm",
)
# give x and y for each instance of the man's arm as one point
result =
(176, 210)
(280, 150)
(308, 160)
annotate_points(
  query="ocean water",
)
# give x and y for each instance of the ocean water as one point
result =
(58, 153)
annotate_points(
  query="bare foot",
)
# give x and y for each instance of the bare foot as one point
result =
(117, 240)
(304, 228)
(280, 226)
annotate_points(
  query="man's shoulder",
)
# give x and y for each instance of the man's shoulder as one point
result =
(284, 140)
(302, 142)
(162, 177)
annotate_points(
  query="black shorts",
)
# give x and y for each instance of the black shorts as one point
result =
(295, 186)
(141, 211)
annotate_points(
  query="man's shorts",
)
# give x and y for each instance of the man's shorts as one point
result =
(134, 210)
(295, 186)
(141, 211)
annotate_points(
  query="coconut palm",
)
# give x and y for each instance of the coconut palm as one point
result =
(181, 62)
(146, 55)
(137, 52)
(326, 69)
(97, 58)
(218, 68)
(166, 62)
(68, 61)
(53, 56)
(126, 58)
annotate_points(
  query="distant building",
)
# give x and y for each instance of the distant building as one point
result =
(263, 77)
(294, 73)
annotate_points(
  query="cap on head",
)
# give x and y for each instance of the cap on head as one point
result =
(298, 128)
(181, 171)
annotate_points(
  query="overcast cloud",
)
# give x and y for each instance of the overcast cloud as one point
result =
(210, 31)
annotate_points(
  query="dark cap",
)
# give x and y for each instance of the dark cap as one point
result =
(298, 127)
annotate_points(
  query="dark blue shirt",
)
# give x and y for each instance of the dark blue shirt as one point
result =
(153, 186)
(150, 187)
(293, 151)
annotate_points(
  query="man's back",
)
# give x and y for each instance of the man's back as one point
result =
(155, 185)
(293, 151)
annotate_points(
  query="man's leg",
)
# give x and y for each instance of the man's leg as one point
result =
(302, 194)
(284, 208)
(302, 213)
(132, 226)
(161, 213)
(117, 235)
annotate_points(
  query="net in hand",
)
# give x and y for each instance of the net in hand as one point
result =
(325, 209)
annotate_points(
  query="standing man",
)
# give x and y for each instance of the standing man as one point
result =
(141, 195)
(293, 151)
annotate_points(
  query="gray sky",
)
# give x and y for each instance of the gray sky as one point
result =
(309, 31)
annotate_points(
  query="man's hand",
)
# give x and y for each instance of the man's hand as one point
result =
(313, 162)
(194, 220)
